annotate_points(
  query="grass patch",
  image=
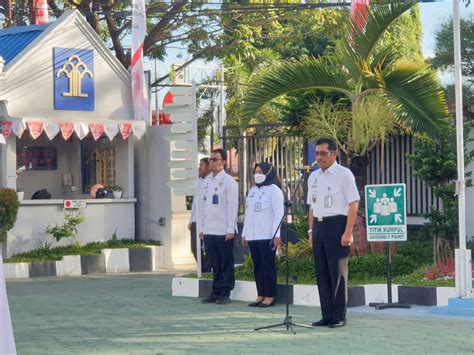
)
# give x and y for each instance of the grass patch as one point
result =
(48, 253)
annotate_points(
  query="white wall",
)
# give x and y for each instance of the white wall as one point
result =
(102, 218)
(155, 200)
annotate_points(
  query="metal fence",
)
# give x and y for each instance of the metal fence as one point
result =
(285, 149)
(273, 143)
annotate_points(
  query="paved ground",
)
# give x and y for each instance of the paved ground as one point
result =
(136, 314)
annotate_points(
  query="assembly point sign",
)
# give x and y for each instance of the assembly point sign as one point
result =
(386, 216)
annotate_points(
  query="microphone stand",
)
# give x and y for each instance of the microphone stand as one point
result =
(287, 321)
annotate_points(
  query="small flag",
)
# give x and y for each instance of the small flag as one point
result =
(41, 12)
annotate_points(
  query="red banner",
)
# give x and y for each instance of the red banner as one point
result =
(97, 129)
(67, 129)
(359, 13)
(7, 128)
(125, 129)
(36, 128)
(41, 12)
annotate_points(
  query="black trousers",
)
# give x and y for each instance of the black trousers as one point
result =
(331, 259)
(264, 267)
(205, 264)
(220, 254)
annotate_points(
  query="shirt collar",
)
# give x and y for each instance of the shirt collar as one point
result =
(222, 172)
(331, 169)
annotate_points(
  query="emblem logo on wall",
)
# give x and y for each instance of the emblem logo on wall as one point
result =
(74, 79)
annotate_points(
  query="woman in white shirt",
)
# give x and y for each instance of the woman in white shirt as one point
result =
(263, 212)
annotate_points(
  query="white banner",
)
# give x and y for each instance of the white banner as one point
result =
(51, 129)
(139, 89)
(138, 129)
(7, 340)
(111, 129)
(81, 129)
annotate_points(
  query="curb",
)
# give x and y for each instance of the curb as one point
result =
(307, 295)
(109, 261)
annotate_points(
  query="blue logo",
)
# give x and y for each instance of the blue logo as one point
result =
(74, 79)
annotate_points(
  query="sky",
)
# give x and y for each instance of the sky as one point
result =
(432, 16)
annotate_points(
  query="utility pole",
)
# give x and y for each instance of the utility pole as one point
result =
(9, 13)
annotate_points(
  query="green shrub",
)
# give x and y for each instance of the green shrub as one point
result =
(68, 229)
(9, 205)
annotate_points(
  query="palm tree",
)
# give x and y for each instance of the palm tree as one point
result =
(363, 71)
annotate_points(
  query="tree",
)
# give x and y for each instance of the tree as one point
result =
(444, 60)
(9, 205)
(435, 162)
(360, 69)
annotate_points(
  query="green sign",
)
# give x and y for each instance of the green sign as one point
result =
(386, 212)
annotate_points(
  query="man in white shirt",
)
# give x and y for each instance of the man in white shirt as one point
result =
(333, 198)
(219, 205)
(204, 172)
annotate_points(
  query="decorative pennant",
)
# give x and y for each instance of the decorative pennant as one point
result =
(51, 129)
(36, 128)
(125, 129)
(81, 129)
(111, 129)
(139, 129)
(7, 128)
(19, 127)
(2, 139)
(97, 129)
(67, 129)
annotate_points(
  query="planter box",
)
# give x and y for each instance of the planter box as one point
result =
(183, 286)
(116, 260)
(141, 259)
(356, 296)
(70, 265)
(306, 295)
(158, 255)
(16, 270)
(377, 293)
(92, 264)
(42, 269)
(419, 295)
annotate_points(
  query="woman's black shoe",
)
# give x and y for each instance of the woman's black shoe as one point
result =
(254, 304)
(266, 305)
(322, 323)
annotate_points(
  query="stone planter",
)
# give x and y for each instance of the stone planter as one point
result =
(42, 269)
(116, 260)
(419, 295)
(92, 264)
(141, 259)
(158, 255)
(70, 265)
(16, 270)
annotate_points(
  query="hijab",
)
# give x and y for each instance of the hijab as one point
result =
(270, 173)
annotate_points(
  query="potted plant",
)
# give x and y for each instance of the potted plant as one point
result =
(116, 191)
(20, 194)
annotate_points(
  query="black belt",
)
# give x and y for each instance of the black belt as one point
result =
(329, 218)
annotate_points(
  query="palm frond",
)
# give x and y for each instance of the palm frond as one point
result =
(418, 96)
(293, 76)
(361, 44)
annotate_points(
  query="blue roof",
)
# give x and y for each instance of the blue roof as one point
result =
(14, 40)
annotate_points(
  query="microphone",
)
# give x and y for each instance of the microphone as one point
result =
(305, 169)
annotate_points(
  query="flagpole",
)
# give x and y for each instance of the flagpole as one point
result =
(462, 256)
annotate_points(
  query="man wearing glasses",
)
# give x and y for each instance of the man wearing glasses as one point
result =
(219, 206)
(333, 198)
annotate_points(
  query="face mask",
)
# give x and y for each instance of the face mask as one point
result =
(259, 178)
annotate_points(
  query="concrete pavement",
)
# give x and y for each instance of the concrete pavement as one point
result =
(136, 314)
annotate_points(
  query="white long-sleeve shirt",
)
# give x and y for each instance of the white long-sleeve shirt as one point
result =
(264, 210)
(219, 204)
(192, 218)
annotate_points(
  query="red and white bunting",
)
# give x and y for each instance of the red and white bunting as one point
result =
(359, 13)
(7, 128)
(18, 128)
(139, 129)
(41, 12)
(51, 129)
(97, 129)
(125, 129)
(36, 128)
(67, 129)
(111, 130)
(81, 129)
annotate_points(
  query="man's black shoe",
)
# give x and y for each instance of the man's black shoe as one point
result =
(322, 323)
(223, 300)
(337, 324)
(210, 299)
